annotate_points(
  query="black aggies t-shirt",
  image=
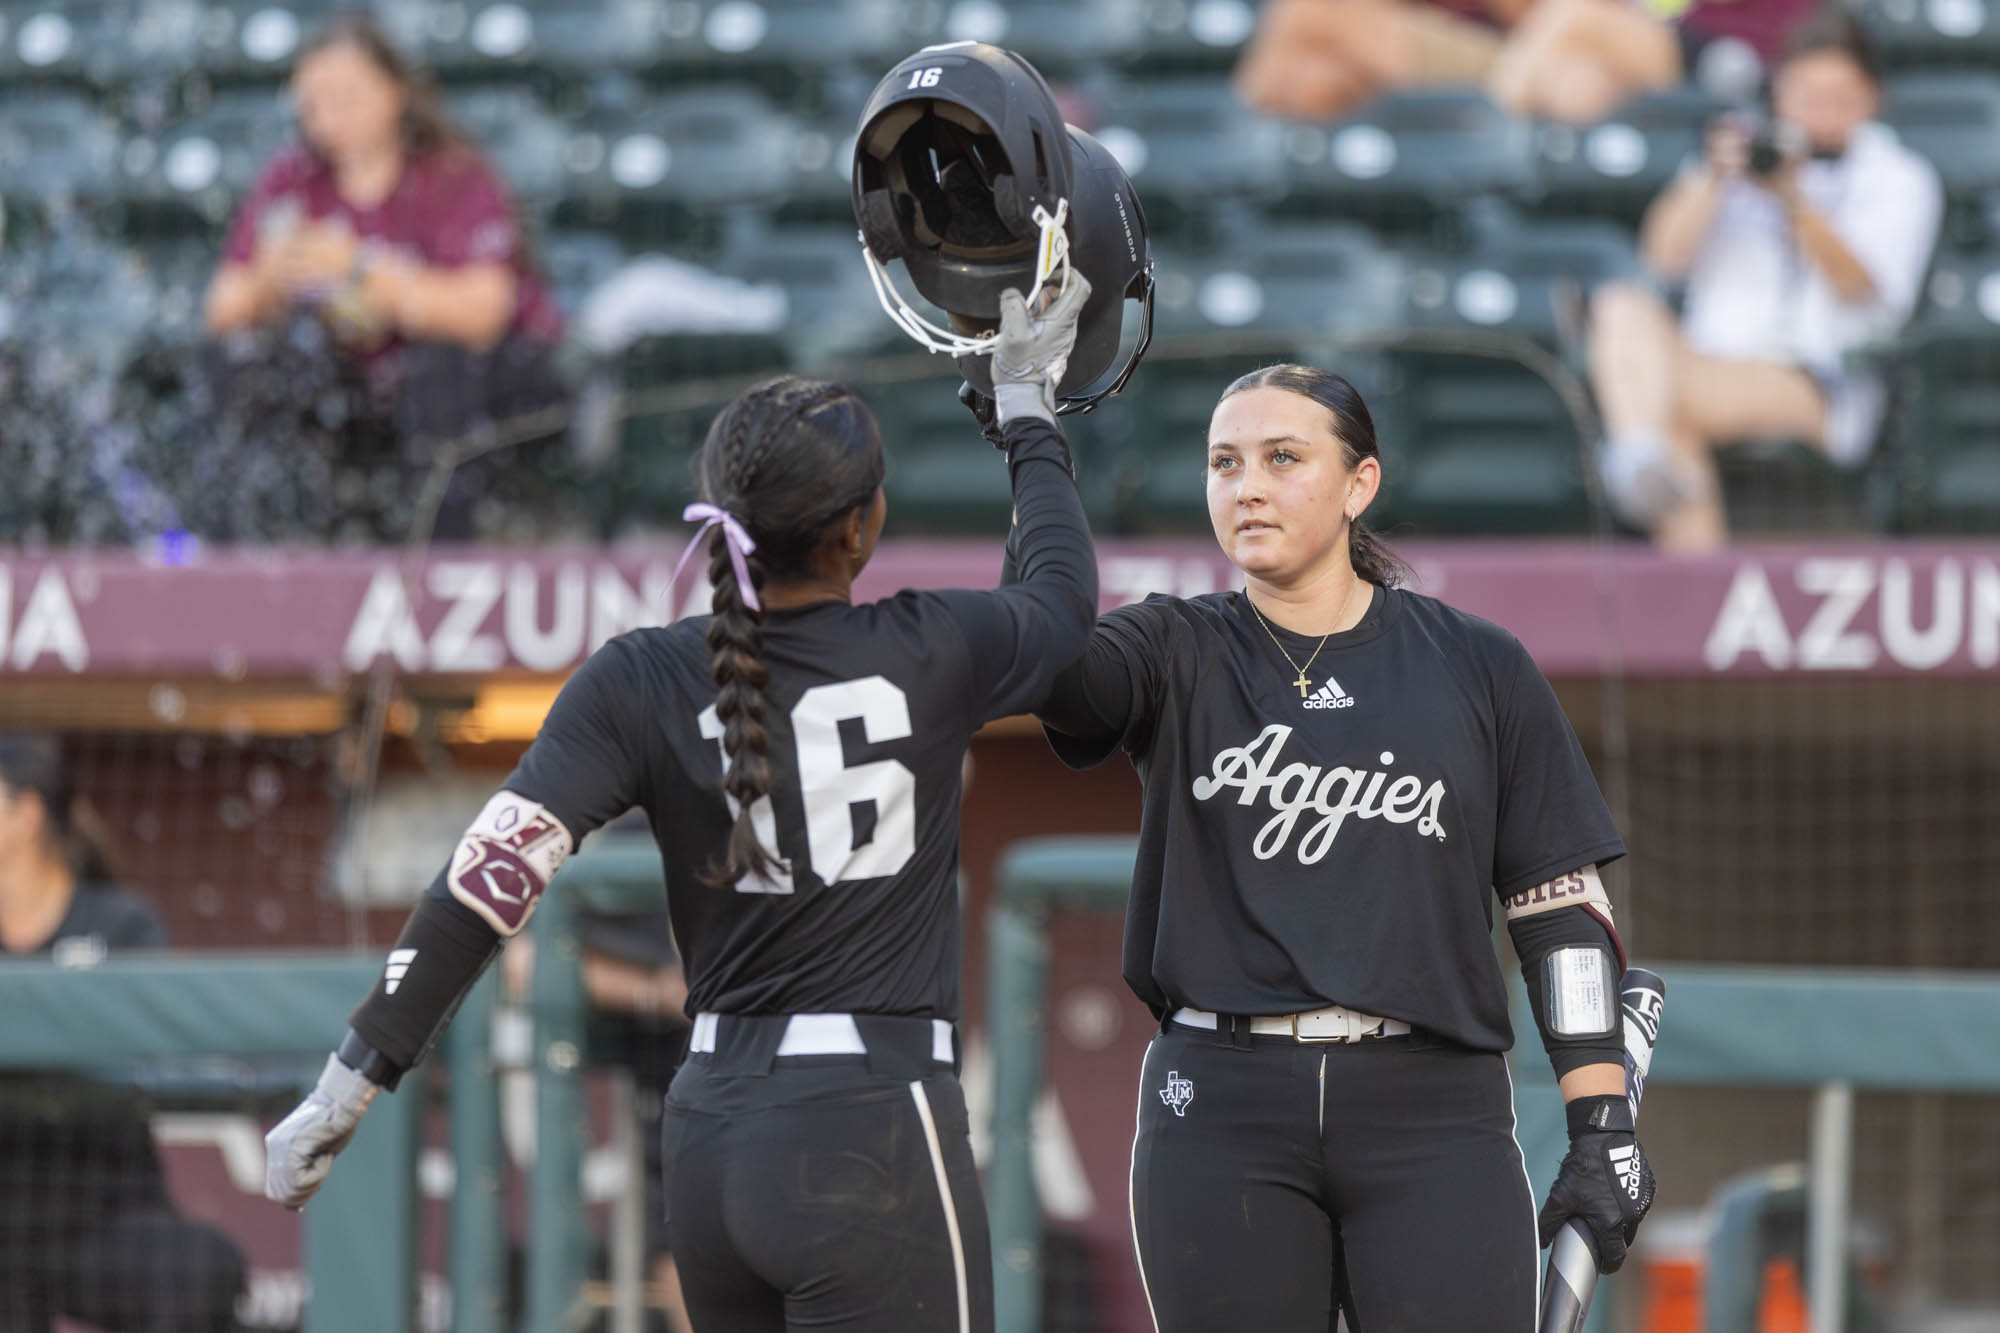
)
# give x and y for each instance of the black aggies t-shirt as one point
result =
(1343, 848)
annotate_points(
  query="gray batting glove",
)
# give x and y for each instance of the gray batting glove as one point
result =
(1033, 351)
(299, 1151)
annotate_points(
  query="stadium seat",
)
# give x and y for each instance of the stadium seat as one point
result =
(647, 166)
(1059, 36)
(1617, 167)
(1476, 437)
(1476, 445)
(943, 477)
(56, 149)
(1521, 279)
(1203, 35)
(96, 42)
(1410, 158)
(178, 271)
(796, 38)
(822, 188)
(196, 170)
(258, 40)
(77, 299)
(1954, 120)
(1189, 145)
(576, 261)
(1933, 32)
(525, 143)
(1786, 487)
(1944, 441)
(832, 313)
(566, 36)
(673, 387)
(1291, 281)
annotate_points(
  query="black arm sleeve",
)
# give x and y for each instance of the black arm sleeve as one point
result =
(1104, 699)
(1535, 938)
(584, 770)
(444, 949)
(1020, 635)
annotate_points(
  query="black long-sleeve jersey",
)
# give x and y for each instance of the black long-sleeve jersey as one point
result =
(1342, 845)
(870, 710)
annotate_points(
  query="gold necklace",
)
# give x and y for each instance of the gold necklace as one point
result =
(1304, 684)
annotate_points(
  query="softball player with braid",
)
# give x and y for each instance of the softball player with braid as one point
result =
(1340, 779)
(799, 758)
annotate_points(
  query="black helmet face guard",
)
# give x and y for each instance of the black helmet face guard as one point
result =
(1087, 402)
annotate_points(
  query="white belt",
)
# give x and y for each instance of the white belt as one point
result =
(819, 1034)
(1333, 1023)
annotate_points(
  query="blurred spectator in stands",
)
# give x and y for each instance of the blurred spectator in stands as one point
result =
(86, 1228)
(1567, 60)
(1798, 243)
(386, 224)
(1579, 60)
(1316, 59)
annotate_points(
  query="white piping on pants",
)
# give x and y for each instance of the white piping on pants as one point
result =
(950, 1207)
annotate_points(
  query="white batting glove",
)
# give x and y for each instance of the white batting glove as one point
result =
(298, 1152)
(1033, 351)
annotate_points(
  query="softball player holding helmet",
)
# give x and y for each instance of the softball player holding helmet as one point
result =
(800, 759)
(1341, 778)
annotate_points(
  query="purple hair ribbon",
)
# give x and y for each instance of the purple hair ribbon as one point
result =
(733, 533)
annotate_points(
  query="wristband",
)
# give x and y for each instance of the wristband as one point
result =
(1604, 1114)
(368, 1062)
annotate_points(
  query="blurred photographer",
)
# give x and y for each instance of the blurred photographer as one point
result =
(1797, 242)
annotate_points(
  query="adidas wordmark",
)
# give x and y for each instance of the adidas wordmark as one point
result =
(1330, 695)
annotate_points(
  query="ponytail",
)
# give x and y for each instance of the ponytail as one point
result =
(734, 638)
(1372, 560)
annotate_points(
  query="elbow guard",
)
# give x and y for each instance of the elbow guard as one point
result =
(1572, 962)
(506, 859)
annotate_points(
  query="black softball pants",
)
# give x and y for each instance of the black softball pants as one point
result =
(830, 1193)
(1277, 1184)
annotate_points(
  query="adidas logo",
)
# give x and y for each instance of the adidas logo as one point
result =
(1624, 1161)
(399, 965)
(1330, 695)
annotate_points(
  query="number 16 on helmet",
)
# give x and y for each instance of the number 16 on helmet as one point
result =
(965, 171)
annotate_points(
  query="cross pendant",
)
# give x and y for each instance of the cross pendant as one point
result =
(1303, 684)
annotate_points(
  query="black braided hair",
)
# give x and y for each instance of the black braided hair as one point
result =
(1355, 429)
(790, 458)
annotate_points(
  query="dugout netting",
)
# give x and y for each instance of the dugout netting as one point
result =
(1819, 822)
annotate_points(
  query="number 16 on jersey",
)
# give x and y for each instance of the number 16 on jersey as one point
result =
(829, 787)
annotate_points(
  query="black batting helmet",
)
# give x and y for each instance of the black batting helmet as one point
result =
(964, 170)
